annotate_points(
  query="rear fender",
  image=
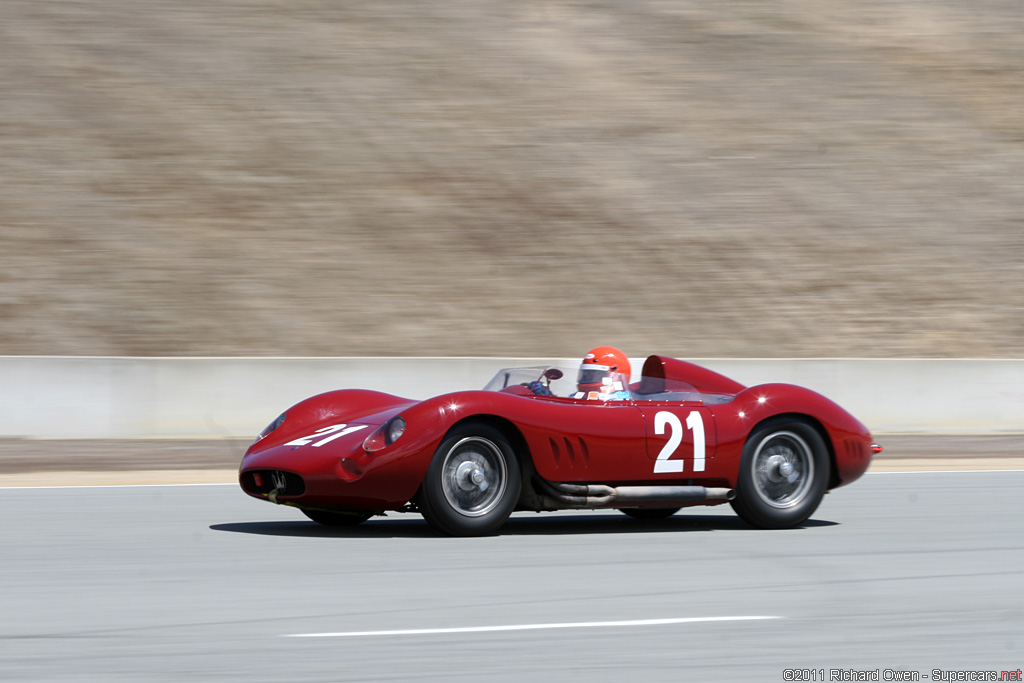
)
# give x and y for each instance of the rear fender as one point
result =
(847, 439)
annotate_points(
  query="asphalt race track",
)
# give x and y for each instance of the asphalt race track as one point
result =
(901, 571)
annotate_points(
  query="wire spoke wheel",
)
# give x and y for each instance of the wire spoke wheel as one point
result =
(783, 474)
(473, 482)
(783, 469)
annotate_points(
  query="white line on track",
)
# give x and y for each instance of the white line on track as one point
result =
(113, 486)
(940, 471)
(523, 627)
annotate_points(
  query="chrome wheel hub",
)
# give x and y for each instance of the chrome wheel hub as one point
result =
(474, 476)
(779, 469)
(468, 476)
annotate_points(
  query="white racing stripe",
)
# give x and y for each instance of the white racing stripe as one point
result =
(524, 627)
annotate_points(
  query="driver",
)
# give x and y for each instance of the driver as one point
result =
(604, 375)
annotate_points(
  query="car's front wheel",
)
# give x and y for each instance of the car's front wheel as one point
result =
(783, 474)
(337, 518)
(473, 482)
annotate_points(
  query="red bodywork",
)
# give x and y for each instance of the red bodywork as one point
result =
(566, 440)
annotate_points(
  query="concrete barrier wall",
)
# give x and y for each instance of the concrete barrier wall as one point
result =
(102, 397)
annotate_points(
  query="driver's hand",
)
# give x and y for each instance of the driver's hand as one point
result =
(539, 388)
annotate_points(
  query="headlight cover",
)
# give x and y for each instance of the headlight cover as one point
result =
(385, 435)
(396, 427)
(271, 427)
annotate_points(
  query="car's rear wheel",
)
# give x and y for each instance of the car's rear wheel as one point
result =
(340, 518)
(649, 513)
(783, 474)
(473, 482)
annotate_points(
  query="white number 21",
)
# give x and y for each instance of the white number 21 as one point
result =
(335, 432)
(695, 422)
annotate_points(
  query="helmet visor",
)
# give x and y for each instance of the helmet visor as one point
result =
(592, 374)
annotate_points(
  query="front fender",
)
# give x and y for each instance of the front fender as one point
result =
(332, 407)
(428, 422)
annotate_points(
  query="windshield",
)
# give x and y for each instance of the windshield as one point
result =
(510, 377)
(647, 389)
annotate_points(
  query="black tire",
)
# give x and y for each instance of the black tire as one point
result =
(473, 482)
(784, 472)
(649, 513)
(338, 518)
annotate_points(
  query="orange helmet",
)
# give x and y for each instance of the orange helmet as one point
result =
(601, 367)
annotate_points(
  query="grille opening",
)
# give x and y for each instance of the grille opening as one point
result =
(265, 481)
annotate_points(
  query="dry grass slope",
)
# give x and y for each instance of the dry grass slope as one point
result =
(748, 178)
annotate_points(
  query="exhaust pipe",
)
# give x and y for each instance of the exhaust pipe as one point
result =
(600, 496)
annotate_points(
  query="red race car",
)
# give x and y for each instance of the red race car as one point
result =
(682, 435)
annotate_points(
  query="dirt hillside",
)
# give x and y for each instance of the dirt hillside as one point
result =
(300, 177)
